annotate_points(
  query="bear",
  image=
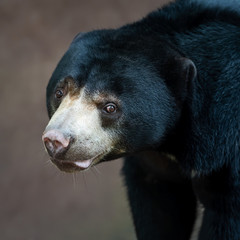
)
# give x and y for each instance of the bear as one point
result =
(164, 94)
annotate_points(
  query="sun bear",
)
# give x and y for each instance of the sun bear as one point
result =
(164, 93)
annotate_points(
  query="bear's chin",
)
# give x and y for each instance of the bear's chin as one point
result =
(77, 165)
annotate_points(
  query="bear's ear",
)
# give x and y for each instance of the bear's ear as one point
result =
(180, 73)
(188, 70)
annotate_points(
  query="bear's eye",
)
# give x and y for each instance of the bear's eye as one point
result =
(59, 93)
(110, 108)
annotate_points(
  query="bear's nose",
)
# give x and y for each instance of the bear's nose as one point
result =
(56, 143)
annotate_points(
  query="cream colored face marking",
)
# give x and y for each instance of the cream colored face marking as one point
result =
(80, 119)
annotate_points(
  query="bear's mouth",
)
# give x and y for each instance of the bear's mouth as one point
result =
(77, 165)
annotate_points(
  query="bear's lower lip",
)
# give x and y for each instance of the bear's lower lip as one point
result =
(76, 165)
(72, 166)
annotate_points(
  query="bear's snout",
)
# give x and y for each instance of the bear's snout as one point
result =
(56, 143)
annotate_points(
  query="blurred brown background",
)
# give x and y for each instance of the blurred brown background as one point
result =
(37, 201)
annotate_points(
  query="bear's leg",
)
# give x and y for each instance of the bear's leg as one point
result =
(162, 202)
(219, 194)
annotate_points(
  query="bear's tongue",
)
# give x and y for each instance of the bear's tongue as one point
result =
(83, 164)
(76, 165)
(71, 166)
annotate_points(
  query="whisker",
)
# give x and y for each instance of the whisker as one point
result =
(84, 179)
(93, 170)
(74, 181)
(97, 170)
(47, 162)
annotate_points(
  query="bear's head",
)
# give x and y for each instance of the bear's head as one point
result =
(111, 95)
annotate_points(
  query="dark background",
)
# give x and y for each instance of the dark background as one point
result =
(37, 201)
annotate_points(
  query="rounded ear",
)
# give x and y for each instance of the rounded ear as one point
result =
(188, 69)
(180, 73)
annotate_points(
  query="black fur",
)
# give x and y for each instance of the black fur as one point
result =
(177, 76)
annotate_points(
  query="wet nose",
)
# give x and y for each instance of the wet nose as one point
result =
(55, 142)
